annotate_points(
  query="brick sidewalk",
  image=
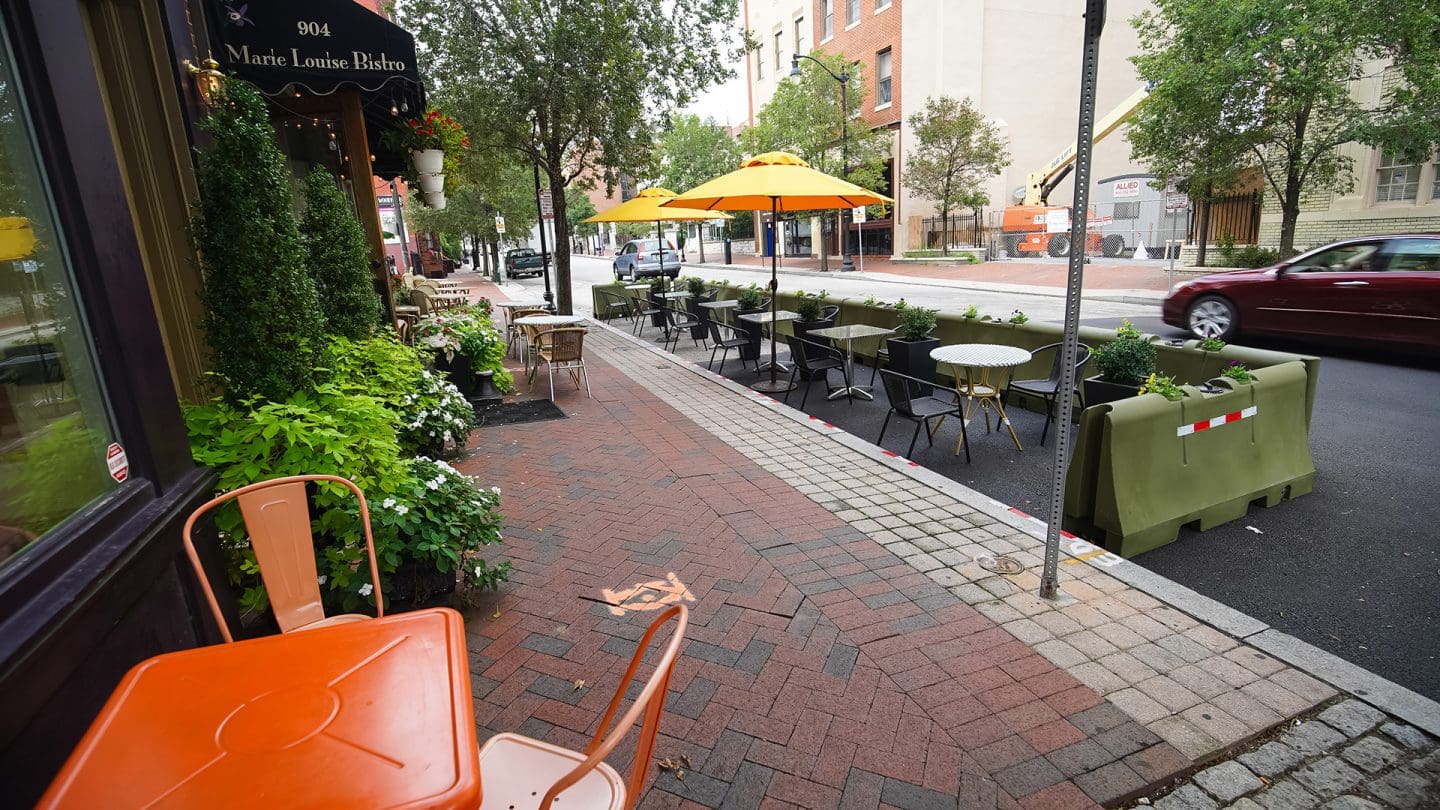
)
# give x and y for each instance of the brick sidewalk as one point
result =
(846, 649)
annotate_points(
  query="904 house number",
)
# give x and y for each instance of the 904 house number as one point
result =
(312, 29)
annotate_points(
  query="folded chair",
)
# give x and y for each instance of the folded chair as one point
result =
(277, 520)
(900, 389)
(520, 772)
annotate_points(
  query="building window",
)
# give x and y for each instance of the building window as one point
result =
(54, 424)
(852, 12)
(879, 4)
(882, 77)
(1435, 186)
(777, 52)
(827, 12)
(800, 36)
(1398, 181)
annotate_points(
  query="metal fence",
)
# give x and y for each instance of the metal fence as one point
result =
(963, 229)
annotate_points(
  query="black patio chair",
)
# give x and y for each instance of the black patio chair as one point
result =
(811, 361)
(642, 310)
(737, 341)
(678, 323)
(829, 311)
(1047, 388)
(613, 306)
(900, 389)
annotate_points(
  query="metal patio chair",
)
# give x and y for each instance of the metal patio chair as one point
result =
(722, 344)
(1047, 388)
(811, 361)
(900, 390)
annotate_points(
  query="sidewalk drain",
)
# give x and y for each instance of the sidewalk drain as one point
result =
(1000, 565)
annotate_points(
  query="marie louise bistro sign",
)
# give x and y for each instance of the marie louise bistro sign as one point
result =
(315, 44)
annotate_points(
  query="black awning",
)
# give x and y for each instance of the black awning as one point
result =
(319, 47)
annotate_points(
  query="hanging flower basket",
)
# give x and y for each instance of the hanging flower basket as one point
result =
(428, 161)
(432, 182)
(436, 200)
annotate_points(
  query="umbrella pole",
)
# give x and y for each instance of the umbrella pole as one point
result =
(773, 385)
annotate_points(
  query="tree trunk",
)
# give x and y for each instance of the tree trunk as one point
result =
(1202, 228)
(493, 246)
(701, 232)
(1289, 214)
(561, 249)
(475, 255)
(945, 231)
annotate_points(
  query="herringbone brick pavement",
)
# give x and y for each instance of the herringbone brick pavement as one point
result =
(820, 670)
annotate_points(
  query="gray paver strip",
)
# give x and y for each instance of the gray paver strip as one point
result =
(1116, 607)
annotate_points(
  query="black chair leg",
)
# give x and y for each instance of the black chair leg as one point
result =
(880, 442)
(1049, 417)
(792, 389)
(929, 434)
(794, 373)
(920, 423)
(964, 436)
(711, 365)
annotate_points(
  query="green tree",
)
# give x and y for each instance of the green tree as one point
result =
(339, 259)
(1283, 82)
(577, 208)
(262, 316)
(577, 87)
(694, 151)
(956, 151)
(804, 118)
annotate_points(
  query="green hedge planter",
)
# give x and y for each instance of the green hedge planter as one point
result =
(1133, 482)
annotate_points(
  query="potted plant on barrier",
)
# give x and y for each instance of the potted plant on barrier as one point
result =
(1162, 385)
(747, 302)
(696, 287)
(910, 348)
(1124, 363)
(1238, 372)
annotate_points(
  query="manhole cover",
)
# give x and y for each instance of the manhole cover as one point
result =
(1000, 565)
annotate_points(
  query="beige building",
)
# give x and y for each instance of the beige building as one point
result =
(1019, 61)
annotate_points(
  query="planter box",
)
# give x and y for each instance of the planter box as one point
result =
(458, 371)
(417, 584)
(701, 314)
(656, 302)
(752, 331)
(1099, 391)
(912, 358)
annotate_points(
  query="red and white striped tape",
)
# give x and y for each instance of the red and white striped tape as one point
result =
(1186, 430)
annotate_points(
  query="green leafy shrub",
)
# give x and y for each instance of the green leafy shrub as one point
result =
(695, 286)
(1238, 372)
(915, 323)
(749, 298)
(970, 312)
(339, 259)
(1162, 385)
(1248, 256)
(1129, 358)
(262, 318)
(464, 331)
(1018, 317)
(1212, 344)
(808, 309)
(430, 409)
(901, 304)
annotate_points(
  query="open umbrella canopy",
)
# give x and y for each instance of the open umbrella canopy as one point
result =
(774, 181)
(645, 207)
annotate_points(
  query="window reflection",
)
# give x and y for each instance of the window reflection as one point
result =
(53, 425)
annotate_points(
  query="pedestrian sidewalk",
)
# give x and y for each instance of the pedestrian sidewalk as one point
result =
(848, 648)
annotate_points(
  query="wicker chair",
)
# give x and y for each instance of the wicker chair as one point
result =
(561, 348)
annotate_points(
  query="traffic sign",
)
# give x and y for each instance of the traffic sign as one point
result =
(547, 207)
(860, 214)
(499, 224)
(1176, 201)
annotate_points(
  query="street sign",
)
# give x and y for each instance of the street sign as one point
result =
(860, 214)
(499, 224)
(1176, 201)
(547, 208)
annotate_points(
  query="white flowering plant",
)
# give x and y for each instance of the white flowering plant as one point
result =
(468, 331)
(430, 409)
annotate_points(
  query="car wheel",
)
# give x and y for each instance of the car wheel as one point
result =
(1112, 245)
(1211, 316)
(1059, 245)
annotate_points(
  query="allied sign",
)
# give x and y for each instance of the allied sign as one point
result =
(1126, 188)
(547, 206)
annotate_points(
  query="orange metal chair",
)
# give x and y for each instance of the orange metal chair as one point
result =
(514, 769)
(277, 519)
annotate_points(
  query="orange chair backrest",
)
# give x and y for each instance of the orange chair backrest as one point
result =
(651, 701)
(277, 520)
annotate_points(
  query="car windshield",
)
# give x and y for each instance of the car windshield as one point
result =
(522, 252)
(653, 244)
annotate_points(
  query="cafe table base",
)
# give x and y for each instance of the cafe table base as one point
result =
(773, 387)
(985, 395)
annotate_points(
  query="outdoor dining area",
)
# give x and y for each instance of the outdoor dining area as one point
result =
(341, 710)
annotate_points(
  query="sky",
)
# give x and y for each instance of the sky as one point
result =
(724, 102)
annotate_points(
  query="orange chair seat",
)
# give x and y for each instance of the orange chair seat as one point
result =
(516, 771)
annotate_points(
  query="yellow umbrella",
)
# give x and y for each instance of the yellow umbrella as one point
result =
(774, 182)
(645, 207)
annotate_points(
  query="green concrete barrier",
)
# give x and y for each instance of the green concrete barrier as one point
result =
(1133, 481)
(1138, 474)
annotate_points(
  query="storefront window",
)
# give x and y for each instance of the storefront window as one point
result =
(54, 428)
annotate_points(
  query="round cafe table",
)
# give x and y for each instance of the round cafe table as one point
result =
(980, 389)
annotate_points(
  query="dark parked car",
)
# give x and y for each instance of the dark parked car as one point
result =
(522, 262)
(1380, 289)
(640, 258)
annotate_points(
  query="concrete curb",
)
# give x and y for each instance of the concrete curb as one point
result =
(1379, 692)
(1141, 297)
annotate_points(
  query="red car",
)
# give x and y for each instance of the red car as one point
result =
(1380, 289)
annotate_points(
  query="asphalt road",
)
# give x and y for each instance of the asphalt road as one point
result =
(1352, 568)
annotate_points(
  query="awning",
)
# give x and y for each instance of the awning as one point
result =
(319, 47)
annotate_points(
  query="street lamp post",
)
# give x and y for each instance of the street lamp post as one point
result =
(846, 262)
(540, 218)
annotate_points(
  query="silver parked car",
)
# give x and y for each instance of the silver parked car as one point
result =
(640, 258)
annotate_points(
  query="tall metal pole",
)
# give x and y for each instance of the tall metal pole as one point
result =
(847, 264)
(1069, 349)
(544, 259)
